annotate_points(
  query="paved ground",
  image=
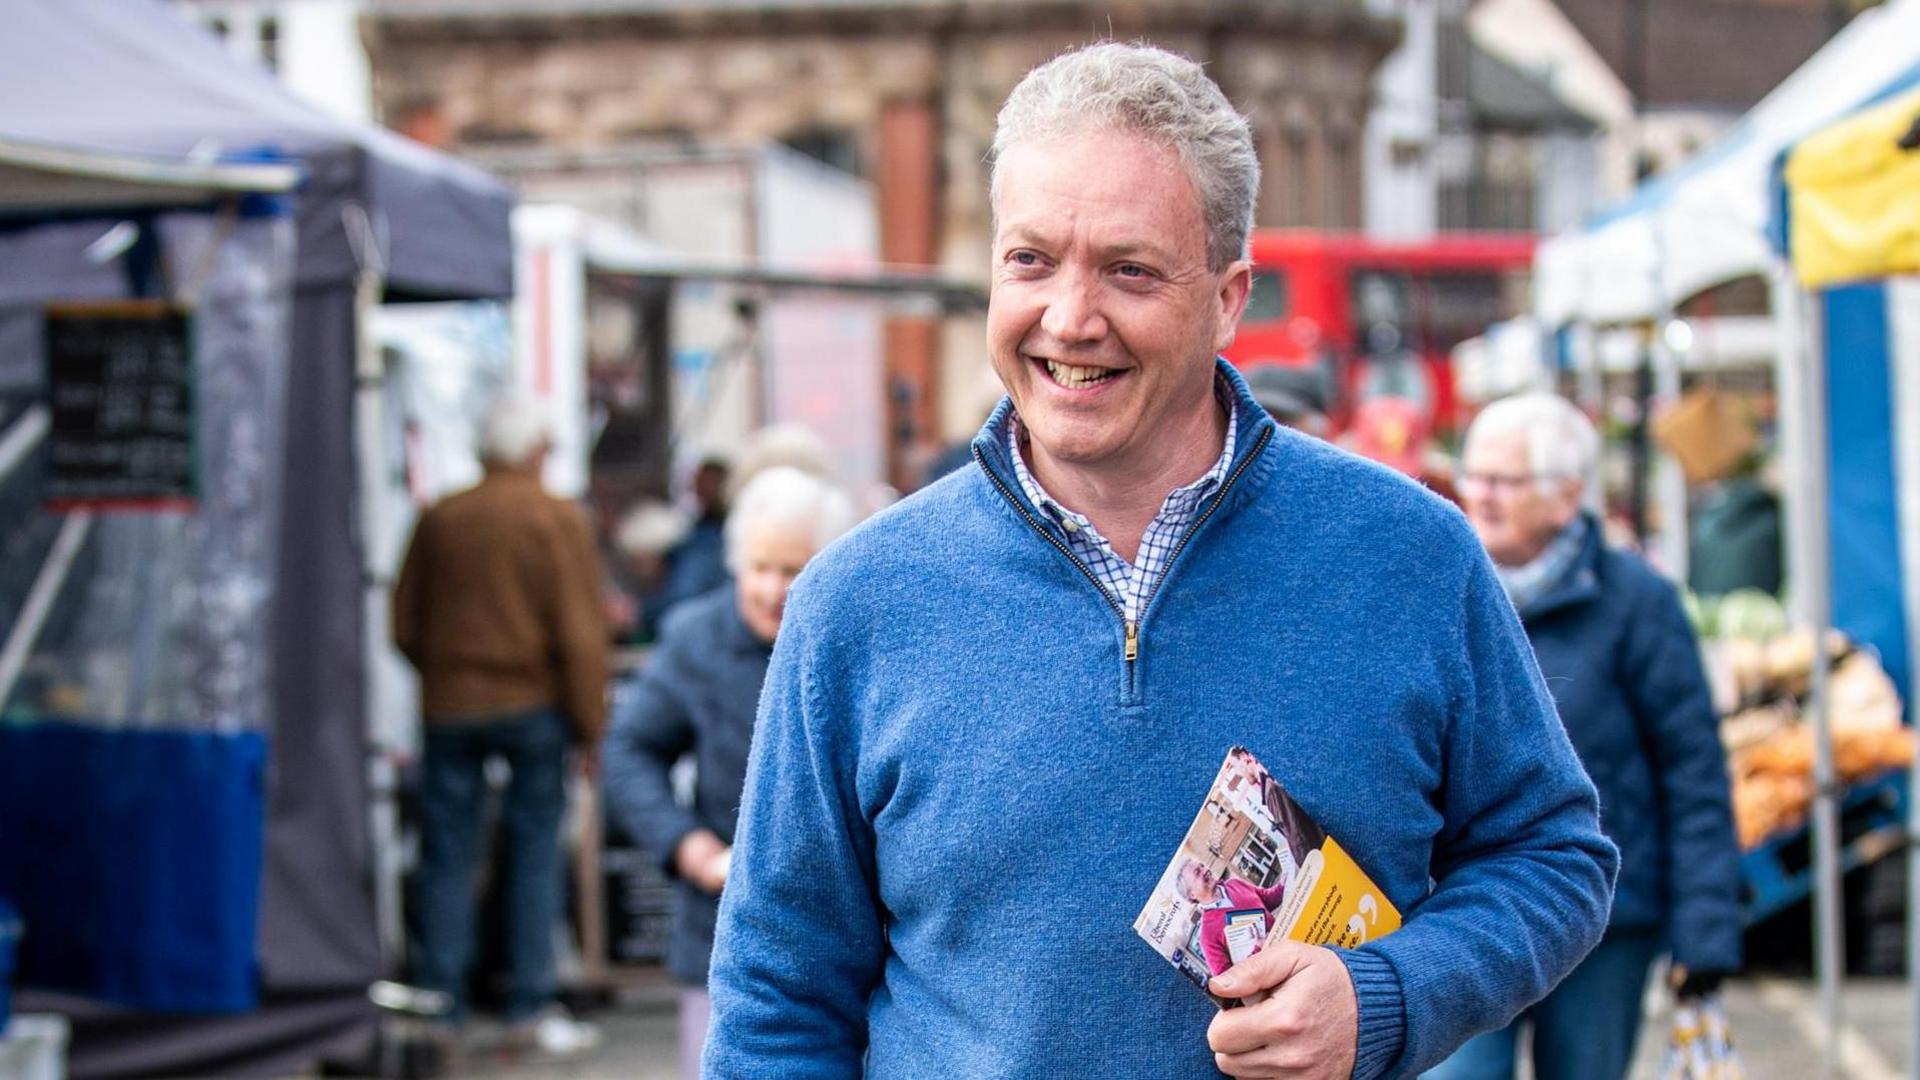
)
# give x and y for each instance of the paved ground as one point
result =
(1778, 1029)
(1776, 1023)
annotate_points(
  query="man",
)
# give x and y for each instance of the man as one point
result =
(1295, 396)
(1620, 657)
(498, 605)
(994, 710)
(698, 563)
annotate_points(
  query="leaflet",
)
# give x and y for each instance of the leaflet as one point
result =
(1254, 864)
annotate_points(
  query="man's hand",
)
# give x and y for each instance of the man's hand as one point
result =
(1304, 1021)
(703, 858)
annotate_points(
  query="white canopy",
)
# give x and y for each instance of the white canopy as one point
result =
(1705, 223)
(38, 178)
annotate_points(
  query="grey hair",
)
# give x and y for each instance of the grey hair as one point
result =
(1150, 92)
(651, 528)
(515, 429)
(793, 445)
(787, 497)
(1561, 442)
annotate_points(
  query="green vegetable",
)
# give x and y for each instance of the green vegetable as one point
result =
(1750, 613)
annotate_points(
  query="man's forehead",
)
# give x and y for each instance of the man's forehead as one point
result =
(1037, 203)
(1501, 446)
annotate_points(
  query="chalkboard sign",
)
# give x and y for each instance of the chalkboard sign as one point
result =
(120, 394)
(639, 900)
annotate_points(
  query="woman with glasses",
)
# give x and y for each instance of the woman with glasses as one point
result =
(1620, 659)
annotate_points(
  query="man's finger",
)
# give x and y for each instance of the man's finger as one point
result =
(1252, 1027)
(1274, 964)
(1267, 1063)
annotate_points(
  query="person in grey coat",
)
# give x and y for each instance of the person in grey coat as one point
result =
(696, 697)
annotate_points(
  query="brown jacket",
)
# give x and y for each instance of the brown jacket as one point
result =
(499, 607)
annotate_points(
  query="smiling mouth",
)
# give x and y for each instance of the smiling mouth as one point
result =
(1076, 377)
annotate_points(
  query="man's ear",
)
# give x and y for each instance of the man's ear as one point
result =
(1235, 284)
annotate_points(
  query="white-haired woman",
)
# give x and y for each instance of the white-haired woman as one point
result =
(1621, 662)
(697, 695)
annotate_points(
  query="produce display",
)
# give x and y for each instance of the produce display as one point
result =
(1760, 670)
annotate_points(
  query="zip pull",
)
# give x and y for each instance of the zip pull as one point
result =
(1133, 640)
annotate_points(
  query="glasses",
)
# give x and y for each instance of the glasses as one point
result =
(1503, 483)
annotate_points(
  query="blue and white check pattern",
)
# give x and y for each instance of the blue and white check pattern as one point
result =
(1131, 585)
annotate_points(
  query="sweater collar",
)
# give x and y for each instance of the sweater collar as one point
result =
(1252, 458)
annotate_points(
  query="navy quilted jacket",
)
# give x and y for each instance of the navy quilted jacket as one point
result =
(1621, 661)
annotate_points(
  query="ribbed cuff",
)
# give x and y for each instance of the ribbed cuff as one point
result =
(1383, 1012)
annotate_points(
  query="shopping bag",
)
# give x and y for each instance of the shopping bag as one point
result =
(1700, 1046)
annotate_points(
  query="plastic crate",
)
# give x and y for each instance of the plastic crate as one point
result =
(1779, 872)
(34, 1047)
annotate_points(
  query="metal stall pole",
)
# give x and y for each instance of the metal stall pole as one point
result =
(1583, 348)
(1801, 385)
(1903, 315)
(1583, 345)
(1669, 483)
(369, 432)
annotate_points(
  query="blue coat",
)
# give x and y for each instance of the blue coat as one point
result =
(696, 696)
(1621, 661)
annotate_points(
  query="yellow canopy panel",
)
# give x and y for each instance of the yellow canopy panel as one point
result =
(1855, 196)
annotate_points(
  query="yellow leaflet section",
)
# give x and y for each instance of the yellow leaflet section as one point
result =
(1855, 197)
(1333, 902)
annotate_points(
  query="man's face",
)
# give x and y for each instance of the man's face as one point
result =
(1514, 512)
(1104, 319)
(1197, 882)
(710, 488)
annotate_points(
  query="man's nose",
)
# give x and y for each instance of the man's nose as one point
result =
(1073, 308)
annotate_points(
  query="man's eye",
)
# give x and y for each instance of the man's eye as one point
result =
(1023, 258)
(1132, 270)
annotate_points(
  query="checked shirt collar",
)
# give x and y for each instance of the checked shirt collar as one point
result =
(1131, 585)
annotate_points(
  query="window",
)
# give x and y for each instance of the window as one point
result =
(837, 147)
(270, 42)
(1267, 299)
(1461, 305)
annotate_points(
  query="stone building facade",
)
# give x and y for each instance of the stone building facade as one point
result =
(903, 92)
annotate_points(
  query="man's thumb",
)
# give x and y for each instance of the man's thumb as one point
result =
(1274, 964)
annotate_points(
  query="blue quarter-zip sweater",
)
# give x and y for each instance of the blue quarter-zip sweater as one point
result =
(961, 790)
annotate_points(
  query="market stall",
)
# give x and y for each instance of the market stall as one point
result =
(1848, 219)
(1703, 225)
(278, 304)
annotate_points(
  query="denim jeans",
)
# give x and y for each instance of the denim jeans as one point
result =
(1584, 1029)
(453, 793)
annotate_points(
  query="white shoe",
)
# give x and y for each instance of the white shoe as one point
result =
(556, 1034)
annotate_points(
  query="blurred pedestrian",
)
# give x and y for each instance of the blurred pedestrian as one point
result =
(697, 564)
(696, 696)
(1621, 661)
(499, 607)
(795, 445)
(1394, 432)
(1296, 396)
(648, 533)
(1734, 535)
(992, 706)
